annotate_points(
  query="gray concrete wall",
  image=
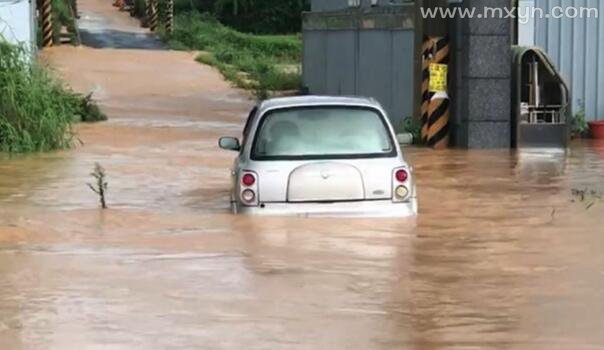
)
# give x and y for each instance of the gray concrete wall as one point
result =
(483, 80)
(366, 54)
(333, 5)
(351, 52)
(328, 5)
(459, 135)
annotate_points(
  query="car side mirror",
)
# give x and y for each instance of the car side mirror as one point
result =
(229, 143)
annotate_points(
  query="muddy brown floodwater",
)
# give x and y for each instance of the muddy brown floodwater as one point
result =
(500, 256)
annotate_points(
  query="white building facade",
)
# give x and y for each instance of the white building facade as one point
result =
(17, 24)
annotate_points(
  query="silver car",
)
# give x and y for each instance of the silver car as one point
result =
(320, 156)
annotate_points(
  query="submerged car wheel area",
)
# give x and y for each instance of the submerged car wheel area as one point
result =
(320, 156)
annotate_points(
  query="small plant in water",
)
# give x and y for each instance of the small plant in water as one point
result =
(414, 127)
(586, 196)
(579, 124)
(100, 187)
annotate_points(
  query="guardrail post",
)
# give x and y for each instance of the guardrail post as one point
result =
(169, 16)
(47, 33)
(153, 15)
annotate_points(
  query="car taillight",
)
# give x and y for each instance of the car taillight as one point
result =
(401, 192)
(401, 175)
(248, 196)
(248, 180)
(248, 190)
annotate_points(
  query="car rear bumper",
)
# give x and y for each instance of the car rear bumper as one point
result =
(377, 208)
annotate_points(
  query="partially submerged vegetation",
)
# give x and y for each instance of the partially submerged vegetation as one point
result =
(37, 110)
(413, 126)
(258, 62)
(100, 185)
(63, 17)
(579, 122)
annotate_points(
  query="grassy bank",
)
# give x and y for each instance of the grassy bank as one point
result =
(63, 16)
(252, 16)
(258, 62)
(36, 110)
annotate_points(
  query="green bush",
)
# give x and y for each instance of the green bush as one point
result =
(264, 16)
(88, 111)
(579, 121)
(36, 110)
(414, 127)
(62, 16)
(252, 16)
(257, 56)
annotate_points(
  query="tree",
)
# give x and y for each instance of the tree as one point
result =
(221, 5)
(262, 16)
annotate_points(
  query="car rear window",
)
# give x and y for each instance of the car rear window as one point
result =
(322, 133)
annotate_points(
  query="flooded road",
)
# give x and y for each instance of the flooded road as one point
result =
(502, 256)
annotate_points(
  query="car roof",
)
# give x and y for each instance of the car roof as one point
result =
(299, 101)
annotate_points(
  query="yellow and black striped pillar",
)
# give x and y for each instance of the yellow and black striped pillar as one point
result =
(47, 34)
(438, 109)
(153, 15)
(169, 16)
(426, 58)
